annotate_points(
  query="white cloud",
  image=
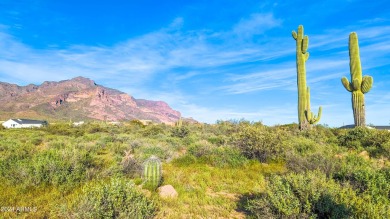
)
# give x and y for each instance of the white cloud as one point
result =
(256, 24)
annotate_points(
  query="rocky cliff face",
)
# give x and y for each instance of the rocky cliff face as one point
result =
(77, 99)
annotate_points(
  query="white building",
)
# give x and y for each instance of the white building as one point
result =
(23, 123)
(78, 123)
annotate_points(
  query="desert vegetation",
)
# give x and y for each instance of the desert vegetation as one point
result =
(233, 169)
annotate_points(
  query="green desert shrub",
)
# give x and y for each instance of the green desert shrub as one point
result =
(152, 131)
(317, 161)
(223, 156)
(311, 195)
(365, 179)
(95, 128)
(131, 166)
(351, 163)
(361, 137)
(136, 122)
(185, 160)
(376, 138)
(304, 154)
(36, 140)
(218, 140)
(59, 129)
(180, 132)
(206, 153)
(118, 198)
(375, 183)
(377, 144)
(66, 129)
(159, 150)
(319, 134)
(58, 168)
(200, 148)
(386, 149)
(259, 142)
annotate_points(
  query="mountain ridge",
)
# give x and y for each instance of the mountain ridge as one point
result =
(79, 98)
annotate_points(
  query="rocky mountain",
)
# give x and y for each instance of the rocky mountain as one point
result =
(79, 99)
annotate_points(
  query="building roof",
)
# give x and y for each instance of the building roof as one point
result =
(383, 127)
(28, 121)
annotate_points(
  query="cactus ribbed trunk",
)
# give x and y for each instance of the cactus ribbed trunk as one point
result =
(152, 172)
(358, 108)
(301, 83)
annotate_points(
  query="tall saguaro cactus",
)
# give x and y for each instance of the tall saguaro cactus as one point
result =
(302, 56)
(359, 84)
(152, 172)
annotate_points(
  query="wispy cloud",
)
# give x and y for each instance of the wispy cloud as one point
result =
(136, 60)
(256, 24)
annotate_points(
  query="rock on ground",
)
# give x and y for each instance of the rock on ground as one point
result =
(167, 191)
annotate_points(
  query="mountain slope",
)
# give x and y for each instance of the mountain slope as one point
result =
(79, 99)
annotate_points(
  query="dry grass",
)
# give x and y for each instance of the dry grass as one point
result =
(210, 192)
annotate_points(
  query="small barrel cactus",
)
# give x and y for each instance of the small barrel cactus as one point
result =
(152, 172)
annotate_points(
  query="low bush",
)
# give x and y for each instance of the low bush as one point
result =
(369, 139)
(118, 198)
(180, 132)
(55, 168)
(317, 161)
(152, 130)
(259, 142)
(311, 195)
(224, 157)
(365, 179)
(160, 150)
(131, 166)
(386, 149)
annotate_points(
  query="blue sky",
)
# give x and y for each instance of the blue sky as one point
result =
(208, 59)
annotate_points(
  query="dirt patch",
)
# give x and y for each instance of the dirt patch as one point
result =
(231, 196)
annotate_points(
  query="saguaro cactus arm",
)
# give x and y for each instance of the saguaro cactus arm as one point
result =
(367, 83)
(316, 119)
(346, 84)
(310, 117)
(294, 35)
(307, 54)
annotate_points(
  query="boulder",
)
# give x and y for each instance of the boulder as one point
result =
(167, 191)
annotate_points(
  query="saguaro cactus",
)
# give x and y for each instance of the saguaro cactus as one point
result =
(302, 56)
(310, 117)
(152, 172)
(179, 122)
(359, 85)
